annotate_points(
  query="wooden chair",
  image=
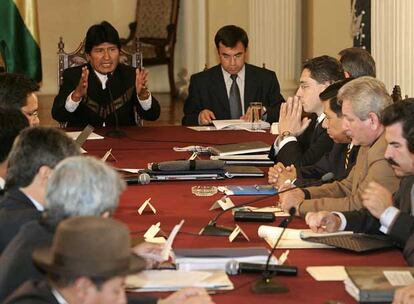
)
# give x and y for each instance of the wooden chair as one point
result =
(396, 93)
(156, 29)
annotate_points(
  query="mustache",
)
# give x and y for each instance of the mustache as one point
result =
(392, 162)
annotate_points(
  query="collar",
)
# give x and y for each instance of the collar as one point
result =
(103, 78)
(58, 296)
(320, 118)
(2, 183)
(241, 74)
(35, 203)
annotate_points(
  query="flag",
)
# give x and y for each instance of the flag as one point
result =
(19, 38)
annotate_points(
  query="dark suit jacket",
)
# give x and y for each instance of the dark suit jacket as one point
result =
(334, 162)
(16, 209)
(39, 292)
(401, 231)
(122, 89)
(208, 91)
(310, 146)
(16, 265)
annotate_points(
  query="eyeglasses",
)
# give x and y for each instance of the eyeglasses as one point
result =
(229, 57)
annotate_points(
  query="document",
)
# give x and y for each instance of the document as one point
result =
(238, 124)
(92, 136)
(171, 280)
(327, 273)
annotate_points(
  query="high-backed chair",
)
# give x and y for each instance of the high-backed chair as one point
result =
(155, 27)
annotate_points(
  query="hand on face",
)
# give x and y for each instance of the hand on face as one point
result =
(205, 117)
(82, 87)
(323, 221)
(376, 199)
(279, 174)
(290, 117)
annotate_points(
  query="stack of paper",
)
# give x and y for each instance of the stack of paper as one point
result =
(171, 280)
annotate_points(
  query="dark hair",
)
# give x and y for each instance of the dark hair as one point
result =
(331, 92)
(401, 112)
(324, 68)
(100, 33)
(62, 280)
(14, 89)
(229, 35)
(357, 62)
(36, 147)
(12, 121)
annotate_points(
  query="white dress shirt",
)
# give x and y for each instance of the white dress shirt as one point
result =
(35, 203)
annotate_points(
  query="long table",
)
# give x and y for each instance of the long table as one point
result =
(174, 201)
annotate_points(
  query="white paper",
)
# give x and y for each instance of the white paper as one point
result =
(238, 124)
(168, 244)
(223, 203)
(327, 273)
(144, 205)
(203, 128)
(92, 136)
(274, 129)
(399, 278)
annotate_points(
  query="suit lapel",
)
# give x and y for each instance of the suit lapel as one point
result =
(219, 89)
(250, 86)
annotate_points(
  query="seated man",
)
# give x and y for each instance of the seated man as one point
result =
(226, 90)
(12, 121)
(363, 100)
(78, 186)
(76, 275)
(382, 212)
(32, 159)
(357, 62)
(104, 90)
(338, 161)
(303, 142)
(19, 92)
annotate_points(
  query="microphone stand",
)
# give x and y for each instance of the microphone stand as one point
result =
(213, 229)
(266, 284)
(115, 133)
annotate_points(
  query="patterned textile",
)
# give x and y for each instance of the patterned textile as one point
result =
(153, 17)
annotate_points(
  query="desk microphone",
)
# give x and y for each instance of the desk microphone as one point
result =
(234, 267)
(116, 133)
(266, 284)
(141, 179)
(213, 229)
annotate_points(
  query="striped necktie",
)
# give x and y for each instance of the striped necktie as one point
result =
(347, 155)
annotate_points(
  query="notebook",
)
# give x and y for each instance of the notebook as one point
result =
(357, 242)
(240, 148)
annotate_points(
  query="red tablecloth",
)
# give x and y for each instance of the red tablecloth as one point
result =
(174, 201)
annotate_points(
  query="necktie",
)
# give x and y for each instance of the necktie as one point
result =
(348, 153)
(234, 99)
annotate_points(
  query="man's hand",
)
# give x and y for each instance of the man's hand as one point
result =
(290, 117)
(150, 252)
(205, 117)
(190, 295)
(290, 198)
(404, 295)
(279, 174)
(248, 115)
(323, 221)
(376, 199)
(141, 81)
(82, 87)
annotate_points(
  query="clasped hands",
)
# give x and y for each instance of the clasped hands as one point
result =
(290, 117)
(141, 81)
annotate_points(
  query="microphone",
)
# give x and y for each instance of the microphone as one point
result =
(213, 229)
(265, 284)
(187, 165)
(116, 133)
(234, 267)
(141, 179)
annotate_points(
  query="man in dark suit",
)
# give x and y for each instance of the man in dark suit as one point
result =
(382, 212)
(78, 187)
(12, 121)
(303, 141)
(104, 91)
(226, 90)
(338, 161)
(36, 152)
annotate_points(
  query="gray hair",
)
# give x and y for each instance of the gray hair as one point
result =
(367, 95)
(82, 186)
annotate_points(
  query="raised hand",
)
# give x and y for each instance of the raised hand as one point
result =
(141, 80)
(290, 117)
(376, 199)
(82, 87)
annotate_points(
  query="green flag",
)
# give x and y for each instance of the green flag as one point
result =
(19, 37)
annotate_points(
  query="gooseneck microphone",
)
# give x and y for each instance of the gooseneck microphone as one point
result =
(213, 229)
(234, 267)
(116, 133)
(266, 284)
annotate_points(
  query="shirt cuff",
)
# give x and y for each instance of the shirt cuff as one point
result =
(343, 220)
(145, 104)
(70, 104)
(286, 140)
(387, 218)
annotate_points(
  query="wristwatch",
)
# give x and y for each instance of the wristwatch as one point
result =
(286, 134)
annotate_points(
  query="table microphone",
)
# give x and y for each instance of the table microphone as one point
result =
(141, 179)
(213, 229)
(266, 284)
(116, 133)
(234, 267)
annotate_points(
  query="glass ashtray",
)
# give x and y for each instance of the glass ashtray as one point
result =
(204, 190)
